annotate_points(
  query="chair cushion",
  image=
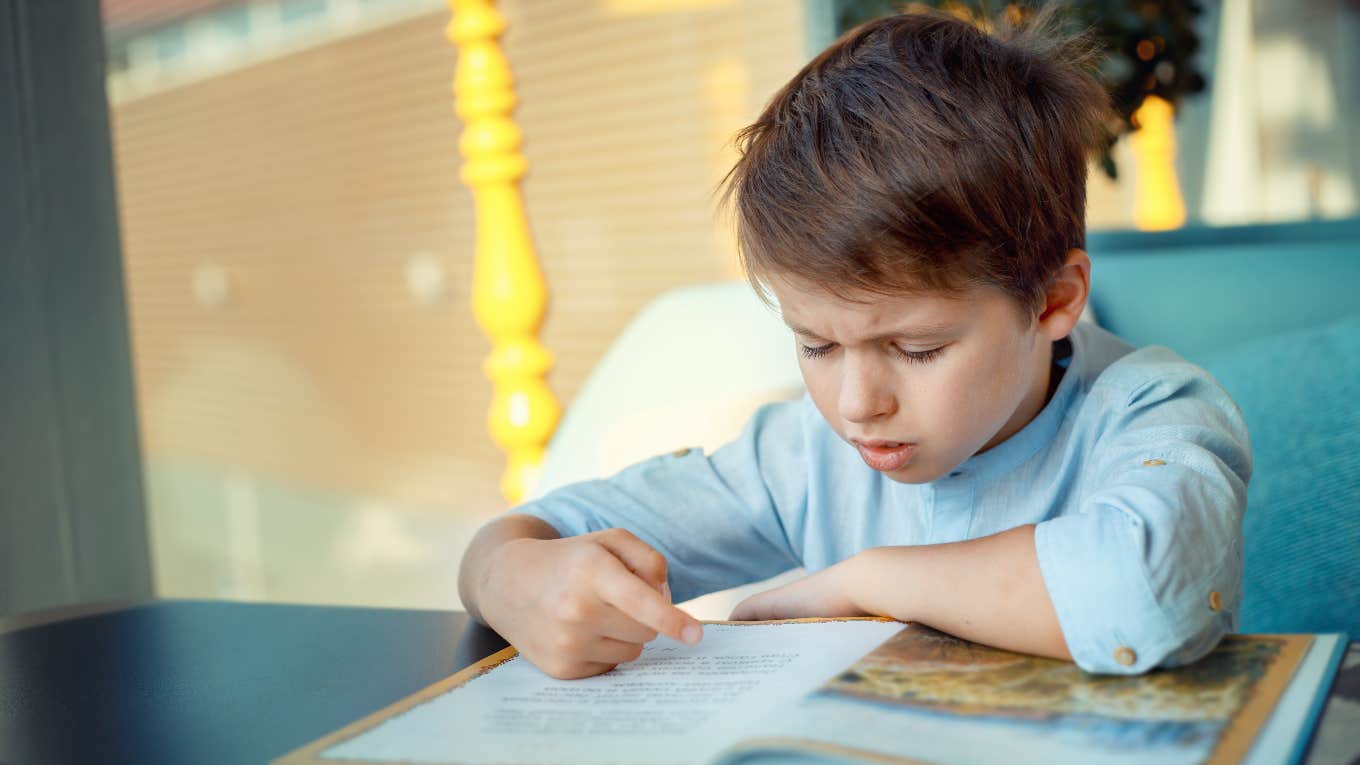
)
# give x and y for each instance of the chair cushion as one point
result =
(1300, 394)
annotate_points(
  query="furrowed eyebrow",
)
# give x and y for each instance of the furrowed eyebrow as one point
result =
(925, 332)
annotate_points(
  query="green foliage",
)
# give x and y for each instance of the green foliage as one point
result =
(1149, 45)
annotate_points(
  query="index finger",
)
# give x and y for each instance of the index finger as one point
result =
(640, 558)
(627, 592)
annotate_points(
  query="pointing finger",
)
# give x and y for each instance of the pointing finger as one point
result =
(637, 555)
(623, 590)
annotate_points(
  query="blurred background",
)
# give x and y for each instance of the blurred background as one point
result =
(298, 247)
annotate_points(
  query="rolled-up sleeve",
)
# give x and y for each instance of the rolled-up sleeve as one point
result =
(1148, 571)
(718, 519)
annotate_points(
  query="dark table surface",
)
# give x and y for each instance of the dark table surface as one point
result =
(214, 682)
(222, 682)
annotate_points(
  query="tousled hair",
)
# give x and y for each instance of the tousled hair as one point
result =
(920, 152)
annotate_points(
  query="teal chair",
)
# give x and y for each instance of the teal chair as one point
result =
(1273, 312)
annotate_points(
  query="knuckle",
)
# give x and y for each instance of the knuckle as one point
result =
(657, 563)
(634, 651)
(560, 669)
(592, 555)
(566, 644)
(581, 567)
(571, 609)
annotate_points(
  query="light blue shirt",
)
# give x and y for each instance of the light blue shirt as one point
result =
(1135, 473)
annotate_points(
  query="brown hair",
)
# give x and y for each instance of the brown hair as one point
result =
(920, 152)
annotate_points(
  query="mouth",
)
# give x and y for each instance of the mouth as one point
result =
(885, 456)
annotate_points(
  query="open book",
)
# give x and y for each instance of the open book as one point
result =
(854, 690)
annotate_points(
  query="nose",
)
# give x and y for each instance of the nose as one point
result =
(866, 390)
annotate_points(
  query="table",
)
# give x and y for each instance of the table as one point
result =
(225, 682)
(214, 682)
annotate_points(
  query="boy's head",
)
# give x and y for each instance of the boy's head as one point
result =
(915, 198)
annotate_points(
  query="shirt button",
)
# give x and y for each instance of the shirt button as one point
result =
(1125, 656)
(1153, 463)
(680, 452)
(1215, 601)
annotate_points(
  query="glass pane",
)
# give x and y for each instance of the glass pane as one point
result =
(299, 254)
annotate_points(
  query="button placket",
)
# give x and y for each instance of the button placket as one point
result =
(952, 513)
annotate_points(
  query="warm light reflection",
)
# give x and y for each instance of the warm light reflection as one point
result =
(727, 92)
(1157, 203)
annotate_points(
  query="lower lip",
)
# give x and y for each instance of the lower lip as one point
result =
(886, 459)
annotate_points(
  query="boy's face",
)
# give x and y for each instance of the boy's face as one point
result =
(918, 383)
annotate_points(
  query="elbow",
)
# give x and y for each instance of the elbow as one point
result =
(1118, 620)
(1195, 643)
(1179, 632)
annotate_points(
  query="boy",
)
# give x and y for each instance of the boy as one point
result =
(967, 456)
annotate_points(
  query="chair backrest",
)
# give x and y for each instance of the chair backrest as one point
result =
(1265, 309)
(1300, 395)
(1200, 290)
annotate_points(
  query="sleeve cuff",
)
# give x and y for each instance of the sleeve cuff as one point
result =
(1108, 614)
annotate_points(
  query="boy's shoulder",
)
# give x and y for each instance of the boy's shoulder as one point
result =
(1108, 365)
(1115, 375)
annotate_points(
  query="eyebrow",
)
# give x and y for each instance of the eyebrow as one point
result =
(923, 332)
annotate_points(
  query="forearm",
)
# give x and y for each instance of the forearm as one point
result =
(475, 566)
(988, 590)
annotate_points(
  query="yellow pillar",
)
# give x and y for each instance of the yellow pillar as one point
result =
(509, 295)
(1157, 202)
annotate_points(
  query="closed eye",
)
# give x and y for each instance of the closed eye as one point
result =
(815, 352)
(920, 357)
(915, 357)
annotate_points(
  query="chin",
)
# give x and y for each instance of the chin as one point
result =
(915, 473)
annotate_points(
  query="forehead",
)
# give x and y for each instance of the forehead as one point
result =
(814, 310)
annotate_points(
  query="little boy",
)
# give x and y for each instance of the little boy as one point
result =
(968, 455)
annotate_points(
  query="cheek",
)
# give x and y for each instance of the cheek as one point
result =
(999, 384)
(949, 401)
(822, 385)
(977, 389)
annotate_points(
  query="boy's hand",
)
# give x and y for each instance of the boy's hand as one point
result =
(578, 606)
(823, 594)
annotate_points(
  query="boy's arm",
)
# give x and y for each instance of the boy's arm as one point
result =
(574, 607)
(472, 573)
(1146, 572)
(988, 590)
(719, 519)
(581, 578)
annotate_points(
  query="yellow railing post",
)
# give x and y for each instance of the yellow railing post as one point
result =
(509, 294)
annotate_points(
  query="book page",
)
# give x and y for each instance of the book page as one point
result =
(675, 704)
(923, 696)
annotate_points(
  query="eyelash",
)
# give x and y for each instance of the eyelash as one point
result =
(915, 357)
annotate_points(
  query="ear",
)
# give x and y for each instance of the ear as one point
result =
(1066, 296)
